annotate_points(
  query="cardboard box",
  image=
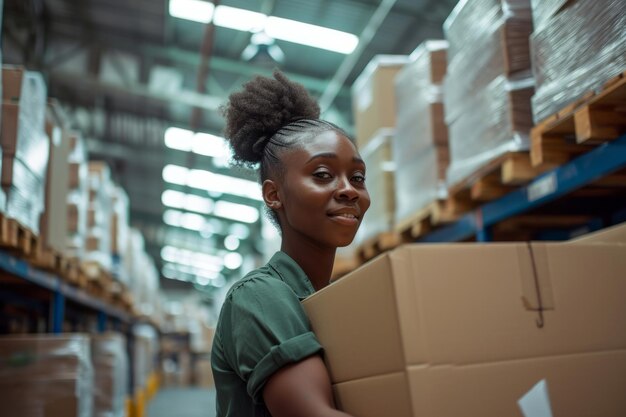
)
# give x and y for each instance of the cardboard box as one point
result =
(203, 374)
(54, 221)
(589, 384)
(462, 304)
(373, 98)
(614, 234)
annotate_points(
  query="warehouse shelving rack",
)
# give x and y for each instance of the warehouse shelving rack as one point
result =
(548, 187)
(62, 291)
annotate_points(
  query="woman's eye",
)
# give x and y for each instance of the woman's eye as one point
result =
(359, 178)
(322, 175)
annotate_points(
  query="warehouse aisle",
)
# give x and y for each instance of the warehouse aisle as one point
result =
(183, 402)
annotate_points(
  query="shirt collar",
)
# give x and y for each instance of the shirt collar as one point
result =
(291, 273)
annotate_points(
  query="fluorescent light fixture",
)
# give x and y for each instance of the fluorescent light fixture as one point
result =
(189, 202)
(179, 139)
(175, 174)
(239, 19)
(233, 260)
(237, 212)
(186, 257)
(224, 184)
(311, 35)
(275, 27)
(231, 242)
(196, 10)
(172, 217)
(210, 145)
(192, 221)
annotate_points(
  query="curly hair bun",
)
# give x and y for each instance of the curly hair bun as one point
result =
(264, 105)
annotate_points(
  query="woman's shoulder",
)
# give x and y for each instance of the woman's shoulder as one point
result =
(259, 283)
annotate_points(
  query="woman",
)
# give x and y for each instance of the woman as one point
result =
(266, 361)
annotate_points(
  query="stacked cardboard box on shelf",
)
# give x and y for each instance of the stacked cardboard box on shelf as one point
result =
(53, 221)
(465, 329)
(110, 363)
(99, 212)
(420, 147)
(120, 230)
(576, 47)
(78, 196)
(143, 275)
(489, 83)
(378, 159)
(46, 375)
(25, 146)
(373, 101)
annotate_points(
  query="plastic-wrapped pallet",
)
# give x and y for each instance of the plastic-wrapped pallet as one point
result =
(53, 221)
(119, 232)
(420, 146)
(373, 101)
(380, 183)
(24, 144)
(99, 213)
(576, 48)
(46, 375)
(78, 196)
(110, 364)
(489, 83)
(498, 123)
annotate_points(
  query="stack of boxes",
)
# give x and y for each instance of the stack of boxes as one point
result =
(78, 196)
(375, 118)
(25, 146)
(120, 230)
(99, 213)
(576, 47)
(420, 147)
(488, 86)
(46, 375)
(54, 220)
(413, 334)
(110, 363)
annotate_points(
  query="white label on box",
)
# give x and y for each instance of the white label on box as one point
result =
(536, 402)
(542, 187)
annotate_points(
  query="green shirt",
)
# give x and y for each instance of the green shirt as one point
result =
(262, 327)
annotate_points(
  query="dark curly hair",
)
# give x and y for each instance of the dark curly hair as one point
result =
(269, 116)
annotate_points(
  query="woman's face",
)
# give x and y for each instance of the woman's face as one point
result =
(322, 193)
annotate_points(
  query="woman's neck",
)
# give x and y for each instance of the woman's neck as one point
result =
(317, 263)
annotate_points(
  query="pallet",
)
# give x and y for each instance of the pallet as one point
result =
(375, 246)
(99, 281)
(17, 238)
(594, 119)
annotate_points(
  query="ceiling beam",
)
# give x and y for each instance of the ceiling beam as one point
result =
(185, 97)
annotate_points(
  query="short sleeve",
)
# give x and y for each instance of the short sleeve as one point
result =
(269, 330)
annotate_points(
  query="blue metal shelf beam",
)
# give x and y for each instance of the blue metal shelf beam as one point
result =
(595, 164)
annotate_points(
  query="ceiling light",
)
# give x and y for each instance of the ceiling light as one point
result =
(311, 35)
(196, 10)
(231, 242)
(179, 139)
(237, 212)
(233, 260)
(189, 202)
(275, 27)
(224, 184)
(192, 221)
(172, 218)
(239, 19)
(184, 257)
(239, 230)
(175, 174)
(210, 145)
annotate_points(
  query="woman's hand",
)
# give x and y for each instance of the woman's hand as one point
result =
(302, 389)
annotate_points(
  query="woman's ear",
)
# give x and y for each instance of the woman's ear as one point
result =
(270, 195)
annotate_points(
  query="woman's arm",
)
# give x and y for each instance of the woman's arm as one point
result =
(301, 390)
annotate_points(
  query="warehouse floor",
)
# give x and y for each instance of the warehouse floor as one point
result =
(183, 402)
